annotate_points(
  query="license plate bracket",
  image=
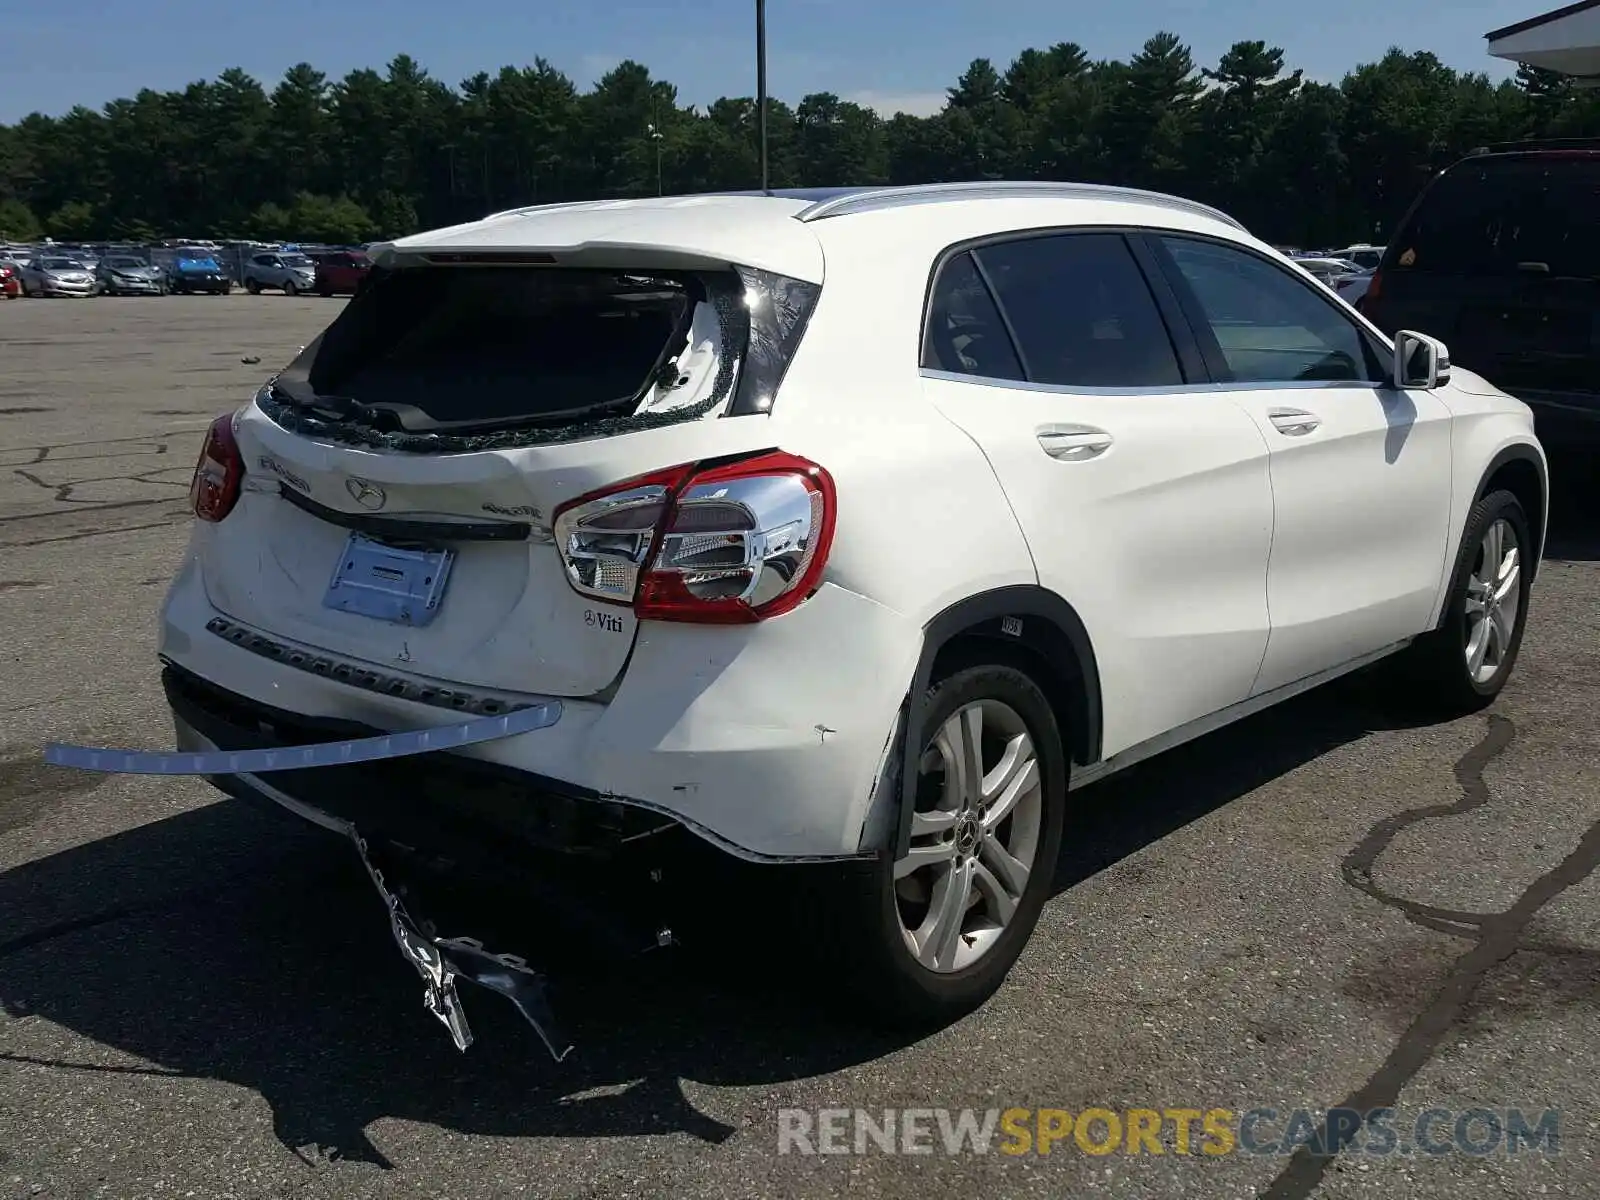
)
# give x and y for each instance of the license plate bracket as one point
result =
(389, 583)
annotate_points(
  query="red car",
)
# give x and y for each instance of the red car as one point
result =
(10, 285)
(340, 272)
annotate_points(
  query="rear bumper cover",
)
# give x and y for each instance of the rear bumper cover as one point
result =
(767, 741)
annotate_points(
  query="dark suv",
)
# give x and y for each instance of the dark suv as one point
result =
(1499, 257)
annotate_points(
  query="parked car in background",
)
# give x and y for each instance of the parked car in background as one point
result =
(1325, 270)
(1149, 484)
(1352, 288)
(79, 254)
(340, 272)
(288, 271)
(1500, 254)
(1363, 254)
(197, 270)
(124, 275)
(10, 285)
(53, 275)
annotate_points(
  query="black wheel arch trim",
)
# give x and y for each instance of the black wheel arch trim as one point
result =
(1520, 452)
(971, 614)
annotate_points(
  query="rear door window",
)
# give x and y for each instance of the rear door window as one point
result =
(1081, 311)
(1538, 216)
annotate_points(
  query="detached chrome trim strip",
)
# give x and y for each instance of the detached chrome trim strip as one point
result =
(294, 758)
(359, 675)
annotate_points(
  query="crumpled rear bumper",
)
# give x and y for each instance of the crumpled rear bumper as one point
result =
(442, 819)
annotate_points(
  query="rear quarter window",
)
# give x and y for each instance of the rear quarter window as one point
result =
(1501, 216)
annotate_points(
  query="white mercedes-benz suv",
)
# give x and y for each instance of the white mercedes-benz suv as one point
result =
(852, 527)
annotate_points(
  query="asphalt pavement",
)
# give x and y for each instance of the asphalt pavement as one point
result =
(1330, 904)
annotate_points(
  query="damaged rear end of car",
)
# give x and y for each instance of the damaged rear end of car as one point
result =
(446, 523)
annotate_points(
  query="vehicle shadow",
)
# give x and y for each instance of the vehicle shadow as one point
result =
(231, 945)
(228, 944)
(1118, 816)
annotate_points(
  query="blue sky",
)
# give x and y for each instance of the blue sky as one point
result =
(891, 54)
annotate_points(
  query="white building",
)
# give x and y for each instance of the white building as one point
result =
(1566, 41)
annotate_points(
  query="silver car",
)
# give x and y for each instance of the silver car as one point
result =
(121, 275)
(290, 273)
(51, 275)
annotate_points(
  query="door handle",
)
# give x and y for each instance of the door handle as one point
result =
(1074, 443)
(1293, 422)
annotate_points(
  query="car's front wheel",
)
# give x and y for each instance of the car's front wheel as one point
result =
(289, 288)
(942, 922)
(1464, 663)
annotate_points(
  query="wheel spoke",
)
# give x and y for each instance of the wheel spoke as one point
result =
(940, 933)
(936, 821)
(1002, 904)
(961, 743)
(924, 856)
(1491, 551)
(1478, 646)
(1506, 581)
(1025, 780)
(1501, 631)
(1016, 759)
(1011, 872)
(1477, 594)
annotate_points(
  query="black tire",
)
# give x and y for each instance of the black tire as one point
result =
(868, 935)
(1434, 670)
(251, 286)
(289, 288)
(325, 292)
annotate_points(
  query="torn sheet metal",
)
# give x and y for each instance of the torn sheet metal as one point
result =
(293, 758)
(440, 961)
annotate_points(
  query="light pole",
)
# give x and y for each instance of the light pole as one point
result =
(761, 84)
(655, 136)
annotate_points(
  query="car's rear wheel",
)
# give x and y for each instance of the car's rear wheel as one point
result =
(941, 924)
(1463, 664)
(251, 286)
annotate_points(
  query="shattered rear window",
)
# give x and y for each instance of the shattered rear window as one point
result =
(436, 358)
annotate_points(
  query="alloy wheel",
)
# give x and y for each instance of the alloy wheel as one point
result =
(975, 834)
(1494, 596)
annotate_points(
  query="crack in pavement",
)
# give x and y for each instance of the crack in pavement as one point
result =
(1498, 936)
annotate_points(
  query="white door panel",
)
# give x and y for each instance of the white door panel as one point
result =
(1361, 481)
(1361, 472)
(1152, 515)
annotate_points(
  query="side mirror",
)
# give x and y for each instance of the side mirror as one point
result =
(1420, 361)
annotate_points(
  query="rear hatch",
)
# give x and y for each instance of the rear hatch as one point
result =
(1500, 257)
(402, 473)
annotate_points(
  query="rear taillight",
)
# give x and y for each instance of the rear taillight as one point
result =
(727, 543)
(218, 474)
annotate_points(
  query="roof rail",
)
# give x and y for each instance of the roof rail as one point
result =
(1578, 143)
(876, 199)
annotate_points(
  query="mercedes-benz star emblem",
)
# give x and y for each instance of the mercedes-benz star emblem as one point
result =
(366, 494)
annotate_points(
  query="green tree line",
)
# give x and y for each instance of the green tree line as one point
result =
(387, 153)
